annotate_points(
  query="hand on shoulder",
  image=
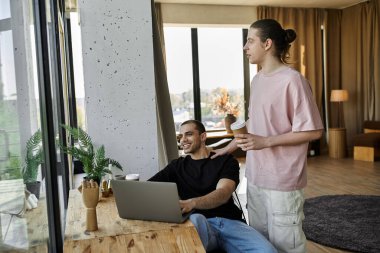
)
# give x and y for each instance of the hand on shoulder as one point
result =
(218, 152)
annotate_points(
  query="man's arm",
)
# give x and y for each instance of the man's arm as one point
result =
(219, 196)
(256, 142)
(231, 147)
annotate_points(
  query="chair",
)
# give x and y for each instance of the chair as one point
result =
(367, 145)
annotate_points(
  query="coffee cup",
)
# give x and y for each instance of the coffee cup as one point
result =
(132, 177)
(239, 127)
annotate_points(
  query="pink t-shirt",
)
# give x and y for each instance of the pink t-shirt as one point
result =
(279, 103)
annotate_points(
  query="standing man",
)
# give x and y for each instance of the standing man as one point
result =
(205, 186)
(283, 119)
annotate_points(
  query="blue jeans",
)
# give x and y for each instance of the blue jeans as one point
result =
(229, 235)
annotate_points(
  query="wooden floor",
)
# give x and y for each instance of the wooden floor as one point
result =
(327, 176)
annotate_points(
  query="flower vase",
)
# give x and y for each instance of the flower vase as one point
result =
(228, 120)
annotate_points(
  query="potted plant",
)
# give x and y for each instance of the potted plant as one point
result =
(95, 163)
(33, 159)
(224, 106)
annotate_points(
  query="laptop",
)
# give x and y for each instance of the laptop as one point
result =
(152, 201)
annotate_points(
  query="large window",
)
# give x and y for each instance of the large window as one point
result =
(33, 89)
(21, 154)
(221, 74)
(206, 66)
(76, 43)
(180, 72)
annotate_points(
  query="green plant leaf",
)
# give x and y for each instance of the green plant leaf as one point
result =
(114, 163)
(95, 164)
(99, 156)
(33, 157)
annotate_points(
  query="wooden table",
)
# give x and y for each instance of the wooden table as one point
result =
(124, 235)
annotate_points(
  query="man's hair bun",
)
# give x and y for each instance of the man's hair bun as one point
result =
(290, 35)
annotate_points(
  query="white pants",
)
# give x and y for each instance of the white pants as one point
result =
(278, 216)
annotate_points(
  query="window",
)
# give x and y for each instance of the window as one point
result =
(179, 72)
(221, 73)
(76, 42)
(5, 11)
(217, 56)
(33, 86)
(19, 122)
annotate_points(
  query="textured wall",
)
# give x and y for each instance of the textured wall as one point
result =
(119, 81)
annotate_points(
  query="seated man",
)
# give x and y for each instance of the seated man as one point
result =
(206, 185)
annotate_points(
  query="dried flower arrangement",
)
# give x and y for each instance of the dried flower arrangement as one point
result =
(223, 105)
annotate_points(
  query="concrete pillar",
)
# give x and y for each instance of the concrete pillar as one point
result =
(119, 82)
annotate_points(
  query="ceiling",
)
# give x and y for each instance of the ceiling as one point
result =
(334, 4)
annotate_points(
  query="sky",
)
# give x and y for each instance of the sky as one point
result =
(220, 58)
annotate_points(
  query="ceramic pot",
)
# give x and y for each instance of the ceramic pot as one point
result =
(228, 120)
(34, 188)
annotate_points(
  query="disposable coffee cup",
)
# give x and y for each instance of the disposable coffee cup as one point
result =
(239, 127)
(132, 177)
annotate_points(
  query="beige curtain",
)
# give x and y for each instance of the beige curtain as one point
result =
(306, 50)
(165, 123)
(361, 65)
(352, 56)
(333, 40)
(160, 26)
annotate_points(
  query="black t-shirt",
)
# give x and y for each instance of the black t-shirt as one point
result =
(196, 178)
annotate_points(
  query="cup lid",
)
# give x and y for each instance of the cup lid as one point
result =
(237, 125)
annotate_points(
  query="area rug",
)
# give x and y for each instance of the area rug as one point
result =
(349, 222)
